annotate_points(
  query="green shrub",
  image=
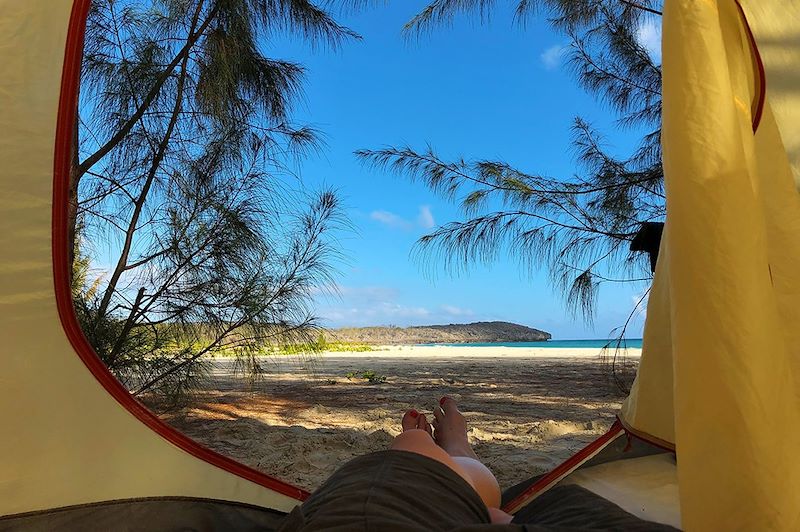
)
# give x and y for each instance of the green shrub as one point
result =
(368, 375)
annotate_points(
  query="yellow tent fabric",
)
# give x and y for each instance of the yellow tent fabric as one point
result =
(776, 25)
(719, 374)
(64, 440)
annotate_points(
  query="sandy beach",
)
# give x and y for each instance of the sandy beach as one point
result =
(528, 408)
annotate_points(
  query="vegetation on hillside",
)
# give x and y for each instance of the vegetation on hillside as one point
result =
(324, 344)
(480, 332)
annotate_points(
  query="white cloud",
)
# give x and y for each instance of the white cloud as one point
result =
(425, 217)
(367, 293)
(356, 313)
(361, 306)
(396, 310)
(552, 57)
(649, 36)
(457, 311)
(390, 219)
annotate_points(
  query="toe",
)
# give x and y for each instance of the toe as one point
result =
(448, 404)
(410, 420)
(438, 413)
(424, 425)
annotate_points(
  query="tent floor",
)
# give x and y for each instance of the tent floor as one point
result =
(572, 507)
(646, 487)
(156, 513)
(563, 507)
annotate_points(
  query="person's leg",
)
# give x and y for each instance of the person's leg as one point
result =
(450, 433)
(417, 437)
(448, 444)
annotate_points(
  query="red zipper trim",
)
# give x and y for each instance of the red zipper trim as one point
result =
(762, 73)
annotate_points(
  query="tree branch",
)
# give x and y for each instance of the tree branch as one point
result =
(139, 205)
(183, 54)
(643, 8)
(126, 329)
(316, 231)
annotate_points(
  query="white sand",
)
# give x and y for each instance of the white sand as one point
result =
(528, 408)
(470, 352)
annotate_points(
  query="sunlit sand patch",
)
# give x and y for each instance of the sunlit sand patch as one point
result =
(526, 414)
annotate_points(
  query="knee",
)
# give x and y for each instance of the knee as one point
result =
(414, 440)
(483, 480)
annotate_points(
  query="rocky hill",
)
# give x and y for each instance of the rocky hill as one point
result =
(480, 332)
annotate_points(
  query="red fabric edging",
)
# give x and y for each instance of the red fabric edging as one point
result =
(758, 112)
(63, 146)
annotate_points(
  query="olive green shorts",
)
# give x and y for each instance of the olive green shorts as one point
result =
(390, 491)
(393, 491)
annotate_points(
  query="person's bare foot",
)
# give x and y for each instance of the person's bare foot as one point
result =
(450, 429)
(415, 420)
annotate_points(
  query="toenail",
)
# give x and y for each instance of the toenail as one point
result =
(413, 413)
(443, 399)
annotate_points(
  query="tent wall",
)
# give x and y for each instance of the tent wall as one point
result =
(67, 437)
(722, 345)
(776, 26)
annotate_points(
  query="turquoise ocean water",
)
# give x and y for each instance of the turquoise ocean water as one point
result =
(634, 343)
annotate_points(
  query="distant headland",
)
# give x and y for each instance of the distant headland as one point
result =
(478, 332)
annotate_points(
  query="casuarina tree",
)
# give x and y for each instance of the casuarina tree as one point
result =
(183, 186)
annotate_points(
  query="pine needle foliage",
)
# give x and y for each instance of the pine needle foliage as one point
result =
(579, 227)
(185, 187)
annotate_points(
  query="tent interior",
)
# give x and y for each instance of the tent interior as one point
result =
(717, 381)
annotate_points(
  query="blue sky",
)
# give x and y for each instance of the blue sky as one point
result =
(494, 90)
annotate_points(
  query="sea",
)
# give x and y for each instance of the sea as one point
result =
(633, 343)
